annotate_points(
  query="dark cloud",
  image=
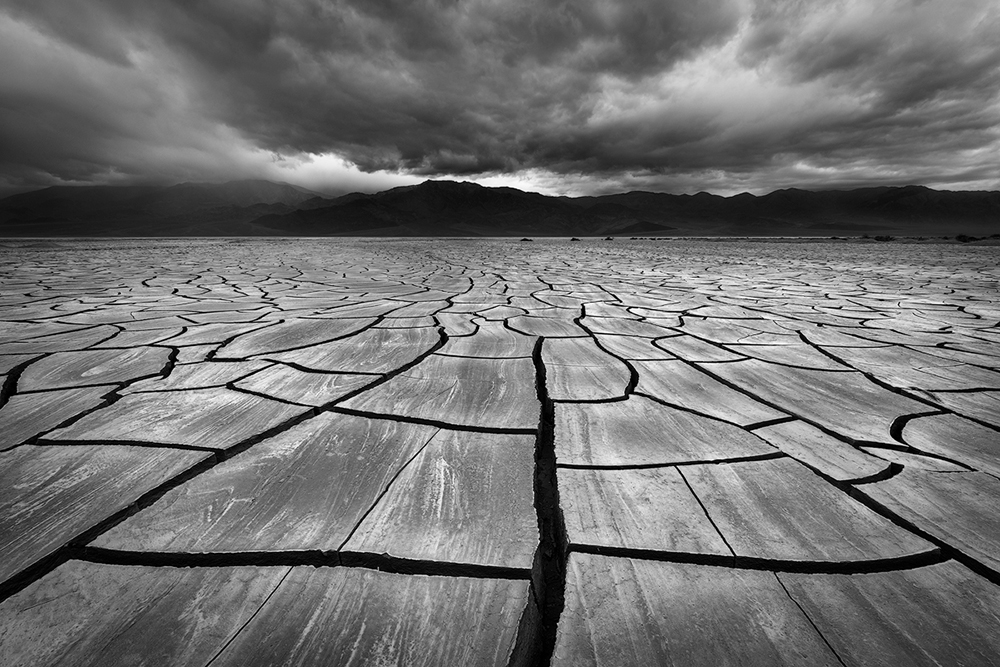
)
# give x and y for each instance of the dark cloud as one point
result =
(572, 96)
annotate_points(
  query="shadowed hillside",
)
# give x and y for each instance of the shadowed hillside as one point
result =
(446, 208)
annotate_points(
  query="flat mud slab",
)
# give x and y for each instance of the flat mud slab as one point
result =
(481, 452)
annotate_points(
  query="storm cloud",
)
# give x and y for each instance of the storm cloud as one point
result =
(588, 96)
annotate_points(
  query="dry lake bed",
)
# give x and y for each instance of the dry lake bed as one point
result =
(494, 452)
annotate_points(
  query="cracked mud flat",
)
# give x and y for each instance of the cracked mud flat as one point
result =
(442, 452)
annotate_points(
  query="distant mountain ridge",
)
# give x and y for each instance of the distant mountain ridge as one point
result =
(448, 208)
(186, 209)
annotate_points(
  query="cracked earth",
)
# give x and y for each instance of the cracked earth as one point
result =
(442, 452)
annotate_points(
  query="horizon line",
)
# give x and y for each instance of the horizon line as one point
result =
(329, 195)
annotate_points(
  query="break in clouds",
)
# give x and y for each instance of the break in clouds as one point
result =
(575, 97)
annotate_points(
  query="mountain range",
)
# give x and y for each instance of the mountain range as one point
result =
(448, 208)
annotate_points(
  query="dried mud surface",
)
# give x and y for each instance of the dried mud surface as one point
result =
(446, 451)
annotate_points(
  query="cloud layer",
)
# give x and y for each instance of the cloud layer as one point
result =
(585, 96)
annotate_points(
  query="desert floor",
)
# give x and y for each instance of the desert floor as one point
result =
(478, 452)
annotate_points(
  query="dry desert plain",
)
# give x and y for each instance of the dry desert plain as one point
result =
(493, 452)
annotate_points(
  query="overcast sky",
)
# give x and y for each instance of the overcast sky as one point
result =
(580, 97)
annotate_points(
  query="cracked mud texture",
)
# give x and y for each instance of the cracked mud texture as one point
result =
(481, 452)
